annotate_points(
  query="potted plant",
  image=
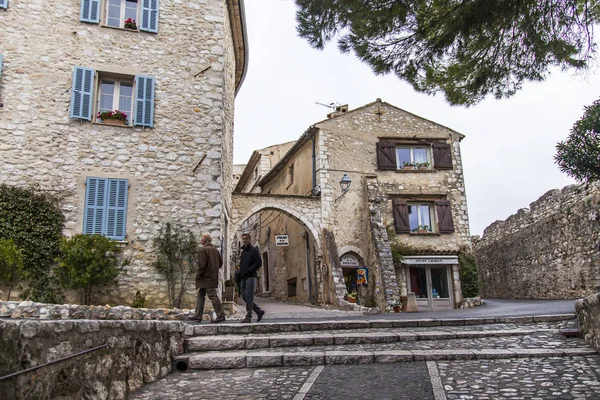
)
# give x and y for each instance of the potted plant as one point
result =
(130, 24)
(396, 306)
(423, 166)
(352, 297)
(423, 229)
(113, 117)
(403, 302)
(408, 165)
(230, 289)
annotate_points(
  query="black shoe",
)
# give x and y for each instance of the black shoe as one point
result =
(246, 320)
(220, 318)
(260, 315)
(195, 318)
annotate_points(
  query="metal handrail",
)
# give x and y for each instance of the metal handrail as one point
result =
(2, 378)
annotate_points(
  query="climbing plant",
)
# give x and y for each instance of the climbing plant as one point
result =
(11, 264)
(468, 273)
(176, 253)
(31, 217)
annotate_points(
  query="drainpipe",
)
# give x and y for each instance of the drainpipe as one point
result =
(314, 161)
(310, 291)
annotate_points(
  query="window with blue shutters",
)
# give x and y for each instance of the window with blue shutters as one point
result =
(82, 93)
(127, 14)
(3, 3)
(144, 101)
(106, 207)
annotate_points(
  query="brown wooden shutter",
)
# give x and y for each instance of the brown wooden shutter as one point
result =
(446, 225)
(442, 156)
(401, 223)
(386, 155)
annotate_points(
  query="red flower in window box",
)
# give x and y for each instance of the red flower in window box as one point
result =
(117, 116)
(130, 24)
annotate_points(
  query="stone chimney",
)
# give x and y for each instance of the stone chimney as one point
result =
(339, 110)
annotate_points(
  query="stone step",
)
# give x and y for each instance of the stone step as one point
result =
(287, 327)
(320, 338)
(263, 359)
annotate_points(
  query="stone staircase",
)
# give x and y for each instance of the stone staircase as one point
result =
(225, 346)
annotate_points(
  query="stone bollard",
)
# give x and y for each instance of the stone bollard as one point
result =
(411, 303)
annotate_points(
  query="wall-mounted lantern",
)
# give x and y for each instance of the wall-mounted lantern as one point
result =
(345, 183)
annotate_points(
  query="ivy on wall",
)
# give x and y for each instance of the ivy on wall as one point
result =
(32, 218)
(468, 273)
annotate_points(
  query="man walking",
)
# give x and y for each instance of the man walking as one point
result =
(250, 263)
(207, 278)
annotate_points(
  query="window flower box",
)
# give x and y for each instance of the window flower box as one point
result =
(113, 117)
(130, 24)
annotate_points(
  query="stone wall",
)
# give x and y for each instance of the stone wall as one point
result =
(175, 170)
(588, 313)
(549, 250)
(138, 352)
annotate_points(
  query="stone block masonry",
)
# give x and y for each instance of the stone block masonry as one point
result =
(588, 313)
(547, 251)
(138, 352)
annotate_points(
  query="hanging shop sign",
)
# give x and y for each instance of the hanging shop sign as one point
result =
(362, 276)
(282, 240)
(349, 260)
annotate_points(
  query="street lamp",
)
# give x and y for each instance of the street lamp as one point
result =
(345, 185)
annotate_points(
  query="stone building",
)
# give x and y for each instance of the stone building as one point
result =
(375, 175)
(547, 251)
(173, 68)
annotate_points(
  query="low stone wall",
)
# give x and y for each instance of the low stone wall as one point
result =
(588, 313)
(138, 352)
(28, 309)
(546, 251)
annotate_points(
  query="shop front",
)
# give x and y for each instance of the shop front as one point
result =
(430, 278)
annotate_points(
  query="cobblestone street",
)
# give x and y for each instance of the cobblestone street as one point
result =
(494, 377)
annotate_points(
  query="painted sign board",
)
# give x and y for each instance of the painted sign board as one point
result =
(432, 260)
(282, 240)
(349, 260)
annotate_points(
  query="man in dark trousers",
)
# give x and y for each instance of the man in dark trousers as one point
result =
(207, 278)
(250, 262)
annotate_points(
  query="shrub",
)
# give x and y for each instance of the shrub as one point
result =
(32, 218)
(139, 301)
(468, 272)
(176, 251)
(11, 264)
(89, 263)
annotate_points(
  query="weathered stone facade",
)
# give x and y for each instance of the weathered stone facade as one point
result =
(588, 314)
(137, 353)
(178, 170)
(549, 250)
(346, 144)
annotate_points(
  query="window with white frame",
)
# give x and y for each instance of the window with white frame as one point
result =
(128, 14)
(119, 11)
(421, 217)
(115, 94)
(412, 156)
(126, 98)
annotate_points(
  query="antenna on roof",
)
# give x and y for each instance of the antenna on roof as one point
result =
(330, 105)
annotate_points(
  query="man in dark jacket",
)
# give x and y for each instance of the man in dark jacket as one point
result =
(250, 262)
(207, 278)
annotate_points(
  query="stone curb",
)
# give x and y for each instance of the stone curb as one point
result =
(299, 326)
(244, 359)
(239, 342)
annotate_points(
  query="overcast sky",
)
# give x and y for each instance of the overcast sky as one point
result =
(509, 145)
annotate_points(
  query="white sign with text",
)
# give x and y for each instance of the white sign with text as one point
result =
(282, 240)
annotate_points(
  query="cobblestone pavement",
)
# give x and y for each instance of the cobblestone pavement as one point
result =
(527, 378)
(251, 383)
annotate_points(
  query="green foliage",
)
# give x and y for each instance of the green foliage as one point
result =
(464, 49)
(468, 273)
(33, 220)
(11, 264)
(398, 248)
(579, 155)
(231, 283)
(88, 263)
(176, 254)
(139, 301)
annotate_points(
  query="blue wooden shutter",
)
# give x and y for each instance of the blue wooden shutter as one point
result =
(149, 16)
(116, 210)
(94, 215)
(143, 114)
(90, 11)
(0, 63)
(82, 93)
(3, 3)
